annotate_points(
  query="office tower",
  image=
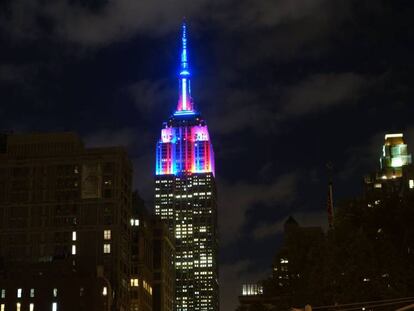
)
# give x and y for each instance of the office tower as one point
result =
(185, 196)
(65, 215)
(396, 172)
(394, 156)
(164, 271)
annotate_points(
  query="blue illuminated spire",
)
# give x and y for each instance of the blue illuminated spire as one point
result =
(185, 102)
(185, 70)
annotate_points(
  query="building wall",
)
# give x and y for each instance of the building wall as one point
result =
(164, 269)
(59, 200)
(142, 259)
(188, 203)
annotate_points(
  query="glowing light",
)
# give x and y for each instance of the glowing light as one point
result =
(184, 101)
(396, 162)
(184, 94)
(398, 135)
(184, 113)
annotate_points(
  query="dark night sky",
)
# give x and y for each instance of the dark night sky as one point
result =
(285, 85)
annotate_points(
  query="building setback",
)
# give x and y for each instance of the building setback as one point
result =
(65, 233)
(185, 196)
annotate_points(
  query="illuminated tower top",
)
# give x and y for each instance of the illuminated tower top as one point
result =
(184, 146)
(394, 155)
(185, 102)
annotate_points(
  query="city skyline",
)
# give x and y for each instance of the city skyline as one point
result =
(286, 88)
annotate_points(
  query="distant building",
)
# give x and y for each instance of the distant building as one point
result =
(65, 233)
(396, 171)
(164, 267)
(394, 156)
(141, 281)
(185, 197)
(275, 293)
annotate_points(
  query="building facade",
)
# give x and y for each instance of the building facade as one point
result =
(396, 171)
(142, 257)
(185, 197)
(65, 215)
(164, 267)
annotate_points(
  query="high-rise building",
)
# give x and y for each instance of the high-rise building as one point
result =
(185, 196)
(396, 171)
(65, 229)
(164, 270)
(394, 156)
(141, 282)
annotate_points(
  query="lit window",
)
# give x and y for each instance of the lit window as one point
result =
(2, 307)
(3, 293)
(411, 183)
(134, 283)
(104, 291)
(18, 306)
(54, 306)
(107, 248)
(19, 293)
(107, 234)
(73, 249)
(31, 307)
(73, 235)
(32, 292)
(55, 292)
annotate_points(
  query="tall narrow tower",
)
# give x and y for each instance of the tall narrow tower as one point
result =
(185, 196)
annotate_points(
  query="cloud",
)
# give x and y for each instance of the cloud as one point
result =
(96, 25)
(321, 91)
(107, 138)
(18, 74)
(149, 95)
(232, 276)
(236, 199)
(266, 230)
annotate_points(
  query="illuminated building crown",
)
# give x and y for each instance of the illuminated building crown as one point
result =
(394, 155)
(185, 102)
(185, 145)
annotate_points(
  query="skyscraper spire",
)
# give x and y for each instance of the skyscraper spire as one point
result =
(185, 102)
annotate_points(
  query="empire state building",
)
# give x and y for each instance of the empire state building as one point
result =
(185, 197)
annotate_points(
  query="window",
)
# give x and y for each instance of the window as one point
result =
(411, 183)
(18, 306)
(73, 249)
(19, 293)
(31, 307)
(3, 293)
(2, 307)
(55, 292)
(104, 291)
(107, 248)
(107, 234)
(74, 236)
(134, 283)
(134, 222)
(54, 306)
(32, 292)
